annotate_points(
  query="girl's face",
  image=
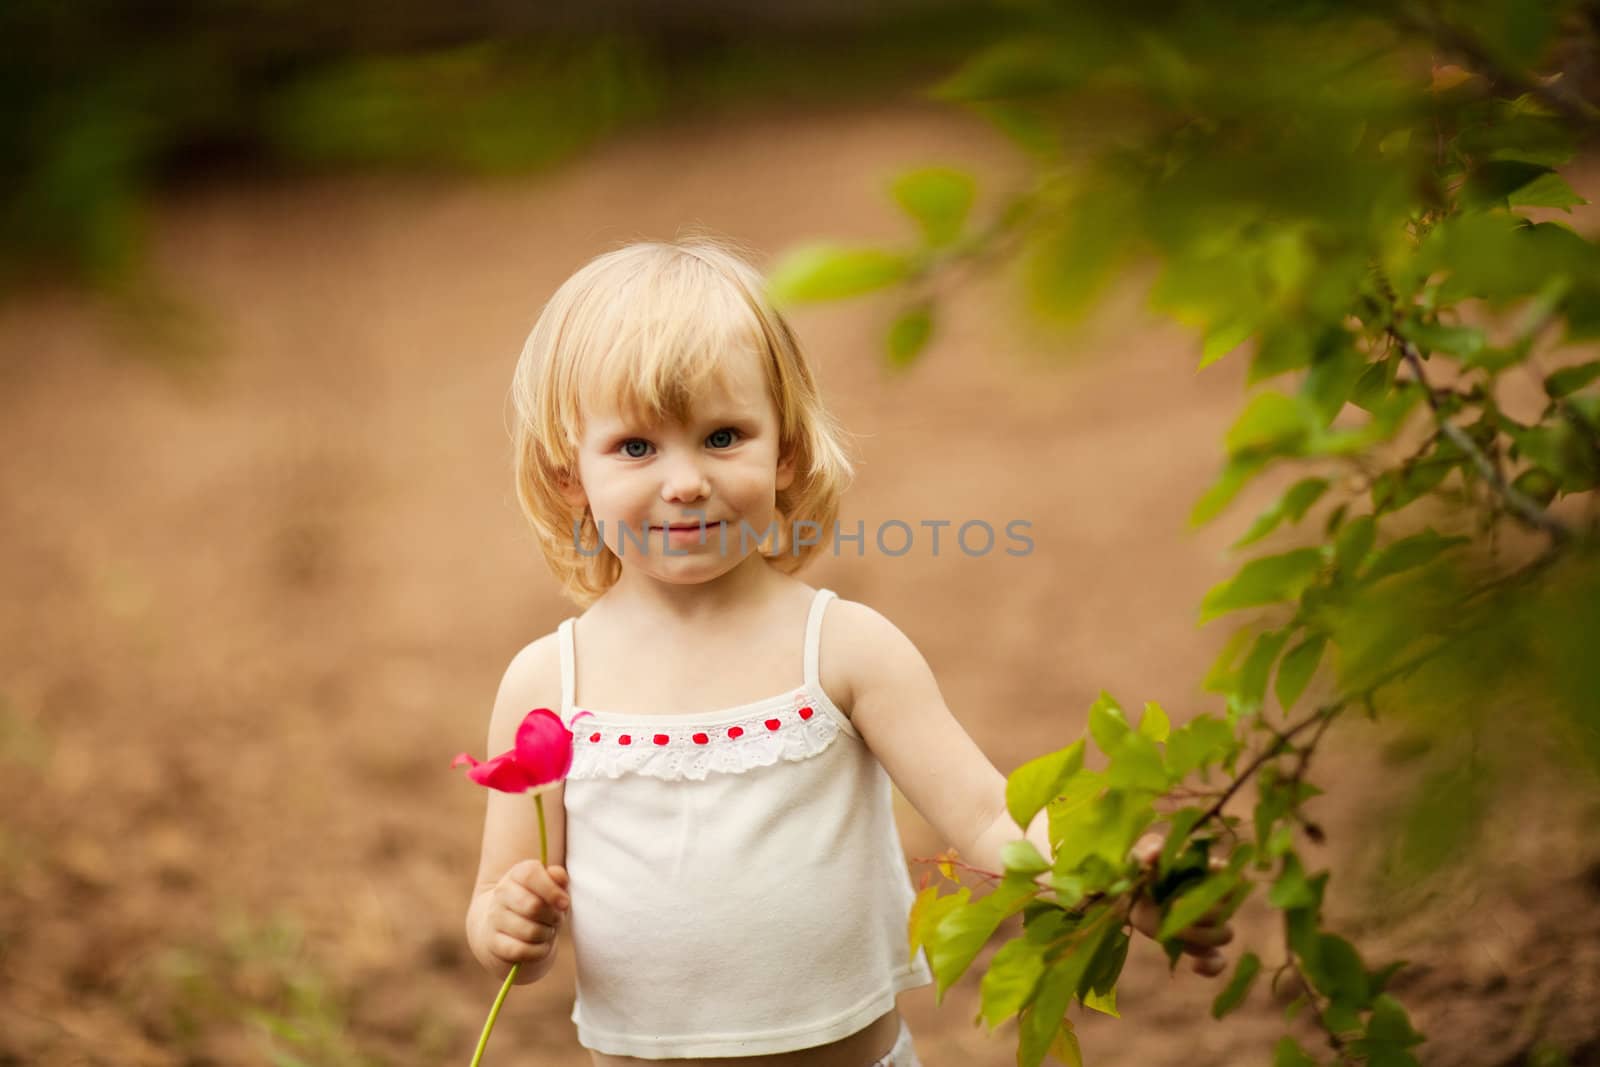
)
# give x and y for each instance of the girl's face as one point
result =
(719, 469)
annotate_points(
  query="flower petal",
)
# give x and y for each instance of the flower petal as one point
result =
(503, 772)
(544, 747)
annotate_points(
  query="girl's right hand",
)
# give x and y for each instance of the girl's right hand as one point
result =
(527, 907)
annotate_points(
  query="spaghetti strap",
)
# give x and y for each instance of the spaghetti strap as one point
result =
(568, 674)
(814, 637)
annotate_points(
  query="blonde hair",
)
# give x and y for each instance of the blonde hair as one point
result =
(644, 327)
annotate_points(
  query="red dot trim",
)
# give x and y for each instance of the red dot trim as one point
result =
(661, 739)
(736, 733)
(806, 713)
(624, 740)
(594, 737)
(773, 724)
(701, 739)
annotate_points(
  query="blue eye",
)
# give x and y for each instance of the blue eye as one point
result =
(629, 451)
(723, 438)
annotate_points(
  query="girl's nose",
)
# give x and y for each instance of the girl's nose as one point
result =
(684, 481)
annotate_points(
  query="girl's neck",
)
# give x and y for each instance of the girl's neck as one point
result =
(650, 602)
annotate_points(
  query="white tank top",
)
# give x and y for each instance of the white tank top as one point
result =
(738, 887)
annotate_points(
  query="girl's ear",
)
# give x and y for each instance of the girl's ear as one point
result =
(572, 491)
(786, 470)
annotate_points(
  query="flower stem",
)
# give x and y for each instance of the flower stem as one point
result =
(494, 1013)
(511, 975)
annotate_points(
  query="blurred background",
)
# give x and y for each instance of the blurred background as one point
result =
(266, 269)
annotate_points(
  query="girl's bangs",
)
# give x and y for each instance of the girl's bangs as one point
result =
(661, 349)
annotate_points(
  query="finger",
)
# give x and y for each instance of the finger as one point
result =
(1198, 938)
(1147, 849)
(1210, 963)
(509, 949)
(537, 880)
(525, 930)
(1146, 916)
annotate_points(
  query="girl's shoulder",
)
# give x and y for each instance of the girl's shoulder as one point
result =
(856, 643)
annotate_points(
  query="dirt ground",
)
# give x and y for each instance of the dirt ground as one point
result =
(265, 569)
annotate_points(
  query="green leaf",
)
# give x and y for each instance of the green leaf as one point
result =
(1292, 506)
(1104, 1003)
(1268, 580)
(1011, 979)
(1155, 725)
(1040, 1024)
(1288, 1053)
(1410, 552)
(1224, 338)
(1235, 475)
(1271, 423)
(1252, 685)
(967, 928)
(1571, 379)
(1562, 450)
(1100, 977)
(929, 910)
(1547, 190)
(1037, 782)
(1297, 668)
(1493, 182)
(1022, 857)
(1291, 889)
(1389, 1023)
(1336, 970)
(909, 334)
(1220, 677)
(1107, 723)
(833, 272)
(938, 198)
(1354, 543)
(1238, 987)
(1136, 764)
(1009, 69)
(1189, 907)
(1202, 741)
(1463, 341)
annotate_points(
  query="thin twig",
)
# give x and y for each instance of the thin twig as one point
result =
(1515, 499)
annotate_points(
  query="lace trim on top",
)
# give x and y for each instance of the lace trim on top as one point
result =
(674, 747)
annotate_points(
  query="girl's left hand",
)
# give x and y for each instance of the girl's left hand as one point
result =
(1201, 940)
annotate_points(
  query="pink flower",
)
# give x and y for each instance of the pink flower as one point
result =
(540, 758)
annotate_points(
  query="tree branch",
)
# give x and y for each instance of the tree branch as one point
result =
(1519, 503)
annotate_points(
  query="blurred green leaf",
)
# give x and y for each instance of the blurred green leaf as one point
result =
(1297, 668)
(1154, 724)
(1291, 506)
(1107, 723)
(1409, 552)
(1192, 905)
(833, 272)
(938, 199)
(1022, 857)
(1569, 380)
(909, 334)
(1271, 423)
(1288, 1053)
(1268, 580)
(1549, 190)
(1238, 987)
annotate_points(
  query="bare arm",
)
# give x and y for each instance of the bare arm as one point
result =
(895, 703)
(517, 903)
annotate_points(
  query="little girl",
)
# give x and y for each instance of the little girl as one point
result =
(723, 851)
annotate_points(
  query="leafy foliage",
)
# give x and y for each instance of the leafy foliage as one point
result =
(1363, 201)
